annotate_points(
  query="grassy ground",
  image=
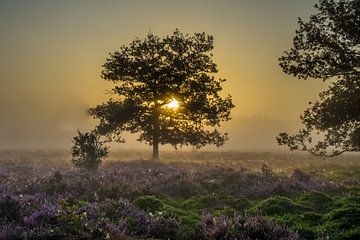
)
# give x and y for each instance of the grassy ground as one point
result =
(205, 195)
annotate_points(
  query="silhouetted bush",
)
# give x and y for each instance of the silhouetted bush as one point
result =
(88, 150)
(267, 171)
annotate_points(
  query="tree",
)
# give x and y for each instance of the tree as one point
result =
(88, 150)
(327, 47)
(166, 91)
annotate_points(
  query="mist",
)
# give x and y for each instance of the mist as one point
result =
(52, 55)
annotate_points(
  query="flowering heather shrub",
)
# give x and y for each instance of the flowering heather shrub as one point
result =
(139, 178)
(243, 227)
(10, 209)
(12, 231)
(69, 218)
(156, 200)
(164, 227)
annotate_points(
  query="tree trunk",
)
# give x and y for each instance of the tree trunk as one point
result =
(155, 156)
(156, 130)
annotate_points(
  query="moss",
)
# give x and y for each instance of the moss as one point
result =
(190, 204)
(311, 218)
(306, 232)
(149, 203)
(187, 217)
(211, 201)
(190, 219)
(349, 200)
(186, 233)
(186, 204)
(279, 206)
(132, 224)
(240, 204)
(175, 210)
(353, 234)
(112, 210)
(318, 201)
(306, 225)
(230, 212)
(344, 218)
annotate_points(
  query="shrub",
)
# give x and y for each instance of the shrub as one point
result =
(11, 232)
(88, 150)
(164, 227)
(149, 203)
(185, 232)
(267, 171)
(242, 227)
(301, 176)
(113, 210)
(10, 209)
(55, 184)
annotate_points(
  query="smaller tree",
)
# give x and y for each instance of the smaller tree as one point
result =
(88, 150)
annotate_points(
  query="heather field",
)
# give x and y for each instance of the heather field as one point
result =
(186, 195)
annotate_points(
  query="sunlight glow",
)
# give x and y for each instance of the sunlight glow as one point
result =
(174, 104)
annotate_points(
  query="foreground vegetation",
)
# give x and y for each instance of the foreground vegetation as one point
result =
(227, 196)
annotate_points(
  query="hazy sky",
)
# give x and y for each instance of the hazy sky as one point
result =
(52, 52)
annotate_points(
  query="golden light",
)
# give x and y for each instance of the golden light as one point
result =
(174, 104)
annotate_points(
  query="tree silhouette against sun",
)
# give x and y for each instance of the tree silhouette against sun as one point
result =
(166, 91)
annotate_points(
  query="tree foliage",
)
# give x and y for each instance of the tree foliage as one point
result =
(150, 73)
(327, 47)
(88, 150)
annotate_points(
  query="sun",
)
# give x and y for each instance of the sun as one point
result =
(173, 104)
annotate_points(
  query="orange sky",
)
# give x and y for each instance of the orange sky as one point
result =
(52, 52)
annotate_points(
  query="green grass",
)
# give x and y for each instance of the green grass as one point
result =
(279, 205)
(312, 214)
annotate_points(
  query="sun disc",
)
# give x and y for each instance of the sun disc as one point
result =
(174, 104)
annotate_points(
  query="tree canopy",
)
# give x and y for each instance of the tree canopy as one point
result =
(327, 47)
(165, 90)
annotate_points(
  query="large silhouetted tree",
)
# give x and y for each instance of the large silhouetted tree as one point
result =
(328, 47)
(166, 91)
